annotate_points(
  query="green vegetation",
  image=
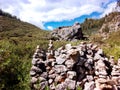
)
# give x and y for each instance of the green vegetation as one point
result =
(112, 45)
(91, 26)
(58, 44)
(18, 41)
(15, 63)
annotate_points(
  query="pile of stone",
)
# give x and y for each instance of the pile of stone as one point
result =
(70, 67)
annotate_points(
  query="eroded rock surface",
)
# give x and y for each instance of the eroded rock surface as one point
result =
(68, 33)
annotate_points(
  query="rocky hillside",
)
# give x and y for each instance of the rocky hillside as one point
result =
(69, 33)
(93, 26)
(110, 25)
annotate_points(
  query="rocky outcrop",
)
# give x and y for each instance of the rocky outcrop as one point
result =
(110, 26)
(70, 67)
(68, 33)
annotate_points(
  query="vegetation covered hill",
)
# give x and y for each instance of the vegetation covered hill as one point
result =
(17, 43)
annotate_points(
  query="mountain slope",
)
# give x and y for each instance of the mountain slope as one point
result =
(10, 27)
(17, 43)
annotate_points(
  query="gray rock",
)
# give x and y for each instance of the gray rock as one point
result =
(100, 68)
(52, 59)
(52, 71)
(89, 64)
(81, 77)
(60, 68)
(34, 80)
(81, 61)
(38, 50)
(80, 70)
(71, 84)
(58, 78)
(40, 55)
(118, 62)
(100, 51)
(103, 72)
(68, 33)
(74, 54)
(54, 63)
(36, 55)
(50, 81)
(48, 68)
(97, 57)
(89, 52)
(89, 85)
(52, 76)
(60, 60)
(90, 78)
(68, 46)
(39, 62)
(42, 79)
(44, 74)
(115, 71)
(111, 60)
(38, 47)
(71, 74)
(60, 87)
(56, 53)
(36, 69)
(34, 61)
(43, 85)
(52, 86)
(32, 73)
(94, 47)
(69, 63)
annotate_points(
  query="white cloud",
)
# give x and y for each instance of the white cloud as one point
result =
(49, 27)
(109, 9)
(40, 11)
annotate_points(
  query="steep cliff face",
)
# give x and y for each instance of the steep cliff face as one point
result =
(68, 33)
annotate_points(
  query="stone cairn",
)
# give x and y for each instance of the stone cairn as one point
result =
(70, 67)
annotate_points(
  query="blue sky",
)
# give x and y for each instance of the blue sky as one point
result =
(50, 14)
(80, 19)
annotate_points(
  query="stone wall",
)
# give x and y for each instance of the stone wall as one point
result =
(70, 67)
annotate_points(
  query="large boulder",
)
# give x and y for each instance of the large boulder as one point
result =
(68, 33)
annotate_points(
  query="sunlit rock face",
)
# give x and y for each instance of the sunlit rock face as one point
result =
(69, 33)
